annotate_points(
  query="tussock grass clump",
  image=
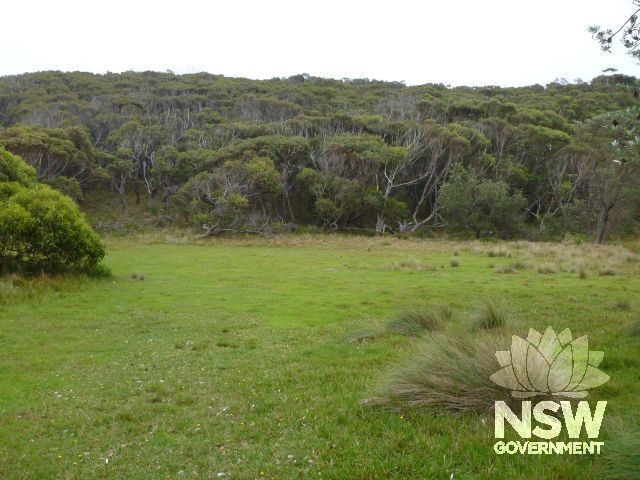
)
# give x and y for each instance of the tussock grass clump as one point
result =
(414, 321)
(622, 457)
(360, 336)
(497, 252)
(582, 273)
(513, 267)
(634, 328)
(506, 269)
(622, 304)
(607, 271)
(547, 269)
(491, 315)
(411, 264)
(137, 276)
(450, 374)
(454, 262)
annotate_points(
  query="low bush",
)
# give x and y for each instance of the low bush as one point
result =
(41, 229)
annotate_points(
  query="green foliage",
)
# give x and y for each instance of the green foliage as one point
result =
(13, 169)
(483, 206)
(41, 228)
(337, 154)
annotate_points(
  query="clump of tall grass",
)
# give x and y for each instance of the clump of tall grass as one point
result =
(582, 272)
(547, 269)
(506, 269)
(411, 264)
(607, 271)
(360, 336)
(137, 276)
(454, 262)
(513, 267)
(415, 320)
(622, 304)
(492, 314)
(497, 252)
(449, 374)
(634, 328)
(622, 456)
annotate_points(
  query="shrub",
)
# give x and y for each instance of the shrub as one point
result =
(491, 315)
(41, 228)
(413, 321)
(14, 169)
(450, 373)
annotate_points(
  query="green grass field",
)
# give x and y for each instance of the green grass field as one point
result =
(233, 359)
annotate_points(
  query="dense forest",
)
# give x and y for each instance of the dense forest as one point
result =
(231, 154)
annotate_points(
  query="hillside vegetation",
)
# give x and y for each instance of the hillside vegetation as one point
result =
(230, 154)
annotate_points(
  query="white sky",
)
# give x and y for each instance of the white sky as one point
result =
(462, 42)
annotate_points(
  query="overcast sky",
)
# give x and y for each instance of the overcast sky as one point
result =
(462, 42)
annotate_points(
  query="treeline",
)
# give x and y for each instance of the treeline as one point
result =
(233, 154)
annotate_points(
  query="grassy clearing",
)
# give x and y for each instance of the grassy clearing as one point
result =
(251, 358)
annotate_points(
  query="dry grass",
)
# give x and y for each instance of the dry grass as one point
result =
(608, 271)
(547, 269)
(411, 264)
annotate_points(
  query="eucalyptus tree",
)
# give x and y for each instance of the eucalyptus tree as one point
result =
(610, 162)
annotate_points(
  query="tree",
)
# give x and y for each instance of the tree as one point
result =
(220, 200)
(610, 161)
(483, 206)
(63, 158)
(629, 31)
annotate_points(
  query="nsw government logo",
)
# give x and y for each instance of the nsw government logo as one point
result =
(549, 374)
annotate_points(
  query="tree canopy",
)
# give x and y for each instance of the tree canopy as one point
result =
(235, 154)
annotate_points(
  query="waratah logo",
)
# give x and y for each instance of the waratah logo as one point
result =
(549, 364)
